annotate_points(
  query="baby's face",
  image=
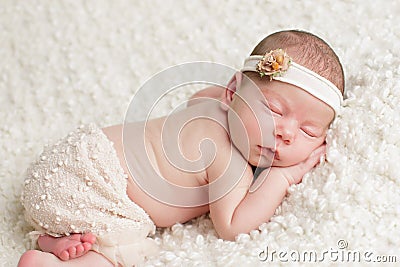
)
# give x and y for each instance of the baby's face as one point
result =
(301, 122)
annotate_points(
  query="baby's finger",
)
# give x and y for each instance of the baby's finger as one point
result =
(295, 173)
(319, 151)
(314, 158)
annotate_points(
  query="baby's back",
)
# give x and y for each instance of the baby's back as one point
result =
(169, 158)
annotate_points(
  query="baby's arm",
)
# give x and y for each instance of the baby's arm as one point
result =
(240, 211)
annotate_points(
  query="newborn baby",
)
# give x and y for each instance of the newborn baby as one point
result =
(90, 197)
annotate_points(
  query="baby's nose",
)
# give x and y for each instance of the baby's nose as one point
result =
(285, 131)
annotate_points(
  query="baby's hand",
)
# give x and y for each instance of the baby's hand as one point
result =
(294, 174)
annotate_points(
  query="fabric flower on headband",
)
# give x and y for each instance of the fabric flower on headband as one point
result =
(274, 63)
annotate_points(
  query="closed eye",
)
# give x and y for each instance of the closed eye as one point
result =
(310, 132)
(274, 109)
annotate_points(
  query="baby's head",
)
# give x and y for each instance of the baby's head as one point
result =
(307, 50)
(298, 103)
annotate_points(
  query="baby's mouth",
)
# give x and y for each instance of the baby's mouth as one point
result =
(268, 152)
(276, 156)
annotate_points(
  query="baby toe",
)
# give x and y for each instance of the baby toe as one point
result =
(64, 255)
(87, 246)
(72, 252)
(79, 250)
(88, 237)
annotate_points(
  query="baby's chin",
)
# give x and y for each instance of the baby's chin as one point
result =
(263, 163)
(284, 163)
(280, 164)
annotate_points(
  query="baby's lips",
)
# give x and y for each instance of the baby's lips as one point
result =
(275, 150)
(269, 151)
(276, 154)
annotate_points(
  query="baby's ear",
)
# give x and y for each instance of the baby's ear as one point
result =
(230, 90)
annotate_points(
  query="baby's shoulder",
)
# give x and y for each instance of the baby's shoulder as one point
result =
(209, 120)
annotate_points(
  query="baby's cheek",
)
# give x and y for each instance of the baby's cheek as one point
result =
(298, 157)
(302, 153)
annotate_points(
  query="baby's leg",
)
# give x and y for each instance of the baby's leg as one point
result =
(34, 258)
(67, 247)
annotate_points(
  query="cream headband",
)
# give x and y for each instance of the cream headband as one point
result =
(278, 66)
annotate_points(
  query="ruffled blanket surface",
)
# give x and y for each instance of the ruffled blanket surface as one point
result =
(70, 62)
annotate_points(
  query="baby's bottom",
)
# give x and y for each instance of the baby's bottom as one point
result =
(39, 258)
(79, 186)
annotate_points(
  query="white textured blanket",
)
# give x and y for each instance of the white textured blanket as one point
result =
(63, 63)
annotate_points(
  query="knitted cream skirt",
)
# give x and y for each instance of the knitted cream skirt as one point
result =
(78, 186)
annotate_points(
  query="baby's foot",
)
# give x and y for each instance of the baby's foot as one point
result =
(67, 247)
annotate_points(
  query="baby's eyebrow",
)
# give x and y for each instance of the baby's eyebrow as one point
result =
(275, 97)
(312, 122)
